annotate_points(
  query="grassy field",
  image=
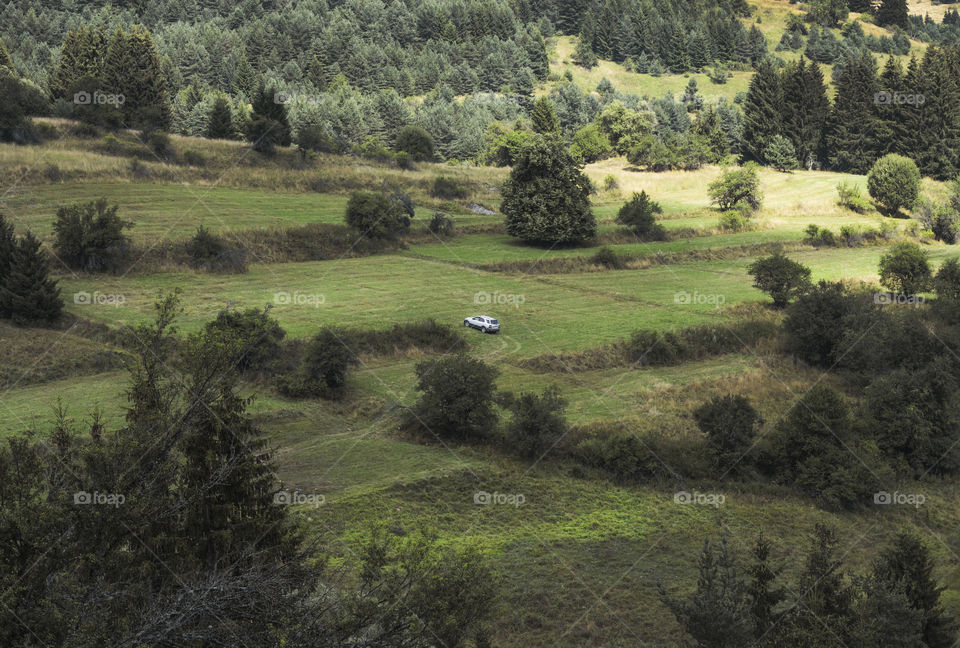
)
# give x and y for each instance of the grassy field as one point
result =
(602, 547)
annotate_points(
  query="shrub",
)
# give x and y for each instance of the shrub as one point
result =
(373, 149)
(538, 424)
(447, 189)
(639, 214)
(440, 224)
(814, 324)
(894, 182)
(159, 143)
(610, 182)
(377, 215)
(403, 160)
(204, 245)
(192, 157)
(625, 457)
(89, 236)
(323, 368)
(819, 237)
(590, 144)
(851, 198)
(427, 334)
(257, 336)
(905, 269)
(608, 258)
(313, 138)
(733, 221)
(730, 425)
(416, 142)
(456, 400)
(779, 277)
(655, 348)
(946, 284)
(546, 200)
(737, 187)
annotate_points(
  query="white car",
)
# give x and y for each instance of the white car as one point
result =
(482, 323)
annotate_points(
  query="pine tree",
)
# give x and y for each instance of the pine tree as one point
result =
(544, 118)
(908, 563)
(268, 125)
(851, 142)
(28, 294)
(893, 12)
(806, 110)
(246, 80)
(891, 133)
(676, 54)
(132, 68)
(937, 117)
(763, 595)
(81, 56)
(220, 122)
(762, 111)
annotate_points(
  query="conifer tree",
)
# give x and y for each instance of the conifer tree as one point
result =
(762, 114)
(544, 118)
(8, 245)
(893, 12)
(81, 56)
(5, 60)
(676, 54)
(806, 110)
(851, 138)
(132, 68)
(268, 125)
(220, 122)
(28, 294)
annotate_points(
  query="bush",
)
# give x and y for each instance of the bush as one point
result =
(851, 198)
(377, 215)
(546, 200)
(204, 245)
(314, 139)
(815, 322)
(610, 182)
(625, 457)
(819, 237)
(655, 348)
(639, 214)
(403, 160)
(905, 269)
(456, 399)
(737, 187)
(894, 182)
(590, 144)
(192, 157)
(323, 368)
(947, 282)
(159, 143)
(416, 142)
(447, 189)
(440, 224)
(779, 277)
(608, 258)
(256, 336)
(373, 149)
(733, 221)
(730, 425)
(538, 424)
(89, 236)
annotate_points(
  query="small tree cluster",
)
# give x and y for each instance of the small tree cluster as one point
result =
(28, 295)
(378, 215)
(639, 214)
(89, 236)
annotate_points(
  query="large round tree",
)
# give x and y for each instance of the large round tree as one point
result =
(546, 200)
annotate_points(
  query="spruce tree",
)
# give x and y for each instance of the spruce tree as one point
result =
(132, 68)
(851, 140)
(893, 12)
(220, 123)
(546, 200)
(762, 111)
(28, 294)
(806, 110)
(268, 126)
(8, 244)
(544, 118)
(762, 592)
(81, 56)
(5, 60)
(676, 55)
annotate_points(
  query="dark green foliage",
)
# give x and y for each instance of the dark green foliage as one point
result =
(737, 188)
(639, 214)
(623, 456)
(538, 424)
(730, 425)
(5, 60)
(910, 413)
(20, 101)
(456, 398)
(814, 450)
(905, 269)
(8, 247)
(89, 236)
(159, 144)
(204, 245)
(608, 258)
(946, 284)
(780, 154)
(416, 142)
(828, 13)
(268, 126)
(323, 367)
(583, 55)
(377, 215)
(440, 224)
(220, 122)
(257, 335)
(762, 114)
(894, 182)
(762, 591)
(893, 12)
(815, 322)
(590, 144)
(131, 67)
(851, 139)
(28, 295)
(447, 188)
(779, 277)
(544, 117)
(546, 200)
(908, 565)
(718, 613)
